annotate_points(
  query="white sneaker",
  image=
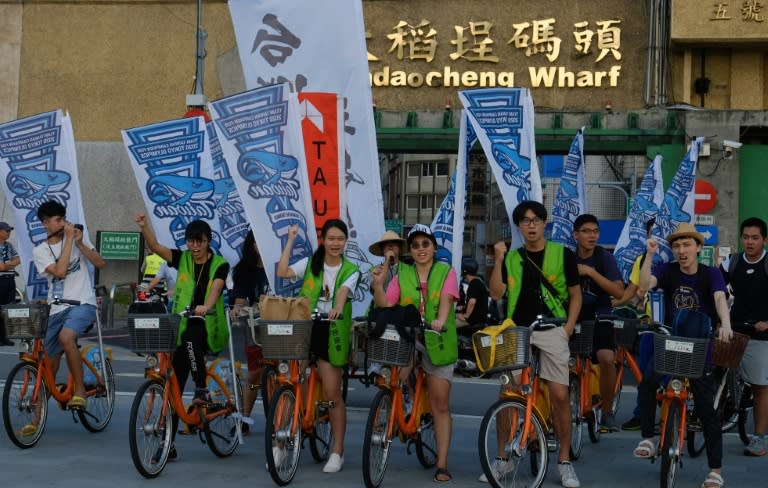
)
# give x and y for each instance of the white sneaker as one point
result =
(499, 467)
(568, 475)
(279, 455)
(334, 464)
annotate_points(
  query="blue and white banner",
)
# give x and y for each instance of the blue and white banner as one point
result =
(172, 164)
(503, 119)
(571, 200)
(260, 135)
(37, 164)
(233, 223)
(678, 206)
(321, 48)
(645, 206)
(448, 224)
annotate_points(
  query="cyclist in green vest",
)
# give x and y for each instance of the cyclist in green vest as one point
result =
(199, 284)
(330, 280)
(434, 287)
(542, 278)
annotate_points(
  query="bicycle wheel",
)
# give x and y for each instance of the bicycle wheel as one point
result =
(24, 413)
(150, 430)
(221, 432)
(101, 404)
(426, 445)
(283, 438)
(593, 424)
(727, 408)
(577, 416)
(671, 450)
(745, 405)
(376, 444)
(499, 438)
(321, 440)
(269, 385)
(617, 390)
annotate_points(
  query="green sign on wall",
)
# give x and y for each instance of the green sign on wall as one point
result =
(707, 255)
(119, 245)
(394, 225)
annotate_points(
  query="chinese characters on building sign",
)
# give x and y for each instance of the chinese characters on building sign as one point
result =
(748, 11)
(476, 42)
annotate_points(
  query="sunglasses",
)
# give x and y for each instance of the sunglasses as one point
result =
(423, 244)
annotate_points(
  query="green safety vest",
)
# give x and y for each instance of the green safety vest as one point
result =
(442, 348)
(554, 272)
(215, 325)
(338, 335)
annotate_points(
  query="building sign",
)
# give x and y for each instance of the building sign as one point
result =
(415, 52)
(119, 245)
(719, 21)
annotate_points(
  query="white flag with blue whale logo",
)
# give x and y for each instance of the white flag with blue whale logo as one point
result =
(645, 206)
(503, 119)
(448, 224)
(320, 47)
(37, 164)
(172, 164)
(260, 135)
(571, 200)
(678, 205)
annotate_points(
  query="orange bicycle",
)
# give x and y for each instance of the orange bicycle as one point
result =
(151, 423)
(298, 409)
(513, 433)
(392, 415)
(628, 324)
(583, 388)
(31, 382)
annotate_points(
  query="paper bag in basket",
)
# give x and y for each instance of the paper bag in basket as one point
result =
(282, 308)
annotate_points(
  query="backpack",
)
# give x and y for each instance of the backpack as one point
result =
(734, 260)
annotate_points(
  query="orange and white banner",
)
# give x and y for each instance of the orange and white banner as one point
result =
(324, 151)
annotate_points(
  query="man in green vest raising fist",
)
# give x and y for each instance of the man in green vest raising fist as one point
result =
(542, 278)
(199, 283)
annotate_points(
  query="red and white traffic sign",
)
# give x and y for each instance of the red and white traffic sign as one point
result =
(705, 197)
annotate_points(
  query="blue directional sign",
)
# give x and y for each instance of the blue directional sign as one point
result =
(709, 232)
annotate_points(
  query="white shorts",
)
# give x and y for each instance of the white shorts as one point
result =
(754, 363)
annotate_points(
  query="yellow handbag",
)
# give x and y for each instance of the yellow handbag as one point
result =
(503, 346)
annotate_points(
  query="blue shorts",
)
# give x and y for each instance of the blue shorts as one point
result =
(77, 318)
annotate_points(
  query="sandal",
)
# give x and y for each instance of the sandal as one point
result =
(714, 480)
(28, 430)
(77, 403)
(646, 449)
(442, 476)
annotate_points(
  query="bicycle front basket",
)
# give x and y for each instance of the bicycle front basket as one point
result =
(580, 342)
(25, 320)
(285, 339)
(390, 348)
(151, 333)
(680, 356)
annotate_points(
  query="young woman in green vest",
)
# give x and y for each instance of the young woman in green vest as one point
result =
(433, 286)
(200, 281)
(329, 282)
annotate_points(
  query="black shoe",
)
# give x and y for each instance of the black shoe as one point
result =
(631, 424)
(202, 397)
(7, 342)
(172, 455)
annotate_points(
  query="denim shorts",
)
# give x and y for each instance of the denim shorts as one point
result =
(77, 318)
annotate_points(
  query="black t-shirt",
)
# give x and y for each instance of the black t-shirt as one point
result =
(201, 283)
(249, 284)
(750, 288)
(529, 302)
(479, 292)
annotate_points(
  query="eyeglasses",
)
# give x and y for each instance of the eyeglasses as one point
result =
(197, 242)
(524, 222)
(589, 231)
(423, 244)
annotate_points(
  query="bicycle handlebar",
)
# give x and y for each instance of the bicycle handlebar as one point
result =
(64, 301)
(318, 316)
(188, 312)
(546, 323)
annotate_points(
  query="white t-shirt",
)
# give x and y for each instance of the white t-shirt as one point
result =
(78, 284)
(330, 273)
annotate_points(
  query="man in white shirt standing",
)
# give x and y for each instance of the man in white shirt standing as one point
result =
(61, 258)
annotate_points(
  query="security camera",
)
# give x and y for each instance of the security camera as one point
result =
(728, 147)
